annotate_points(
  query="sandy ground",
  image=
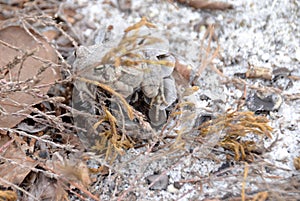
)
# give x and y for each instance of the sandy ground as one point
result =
(253, 33)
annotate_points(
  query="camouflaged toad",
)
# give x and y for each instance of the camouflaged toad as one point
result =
(151, 76)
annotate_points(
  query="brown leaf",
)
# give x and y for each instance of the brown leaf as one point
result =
(184, 69)
(259, 72)
(45, 188)
(297, 163)
(51, 34)
(16, 165)
(12, 2)
(206, 4)
(73, 168)
(26, 63)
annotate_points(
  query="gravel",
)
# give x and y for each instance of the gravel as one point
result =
(255, 33)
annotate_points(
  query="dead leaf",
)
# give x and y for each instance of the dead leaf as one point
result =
(206, 4)
(12, 2)
(72, 168)
(15, 165)
(23, 58)
(184, 69)
(70, 15)
(51, 34)
(103, 170)
(297, 163)
(259, 72)
(45, 188)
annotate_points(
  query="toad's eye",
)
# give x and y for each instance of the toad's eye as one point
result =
(162, 56)
(99, 68)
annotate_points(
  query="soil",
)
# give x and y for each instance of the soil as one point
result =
(254, 34)
(243, 61)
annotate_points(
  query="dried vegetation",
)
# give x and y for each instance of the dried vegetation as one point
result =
(235, 125)
(41, 157)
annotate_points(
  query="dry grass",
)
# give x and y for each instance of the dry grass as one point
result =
(234, 126)
(237, 132)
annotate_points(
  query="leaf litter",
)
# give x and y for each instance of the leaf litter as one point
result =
(193, 161)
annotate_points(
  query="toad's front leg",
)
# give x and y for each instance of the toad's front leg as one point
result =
(156, 115)
(167, 96)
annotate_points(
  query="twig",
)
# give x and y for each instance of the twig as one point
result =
(6, 145)
(113, 92)
(79, 187)
(244, 181)
(66, 147)
(18, 188)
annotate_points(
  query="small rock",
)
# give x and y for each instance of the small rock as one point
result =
(257, 102)
(177, 184)
(161, 181)
(171, 188)
(281, 78)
